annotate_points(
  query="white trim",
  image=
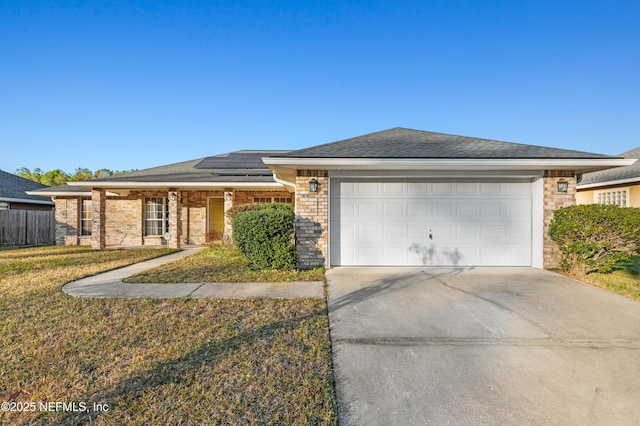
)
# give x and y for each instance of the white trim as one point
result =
(434, 174)
(588, 164)
(177, 185)
(75, 194)
(24, 200)
(609, 183)
(537, 224)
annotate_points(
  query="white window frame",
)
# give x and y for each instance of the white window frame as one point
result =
(4, 205)
(269, 200)
(164, 220)
(86, 218)
(613, 196)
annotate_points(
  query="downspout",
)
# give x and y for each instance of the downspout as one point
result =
(284, 182)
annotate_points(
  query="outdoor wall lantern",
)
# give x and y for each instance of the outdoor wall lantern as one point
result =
(563, 186)
(173, 196)
(228, 196)
(313, 185)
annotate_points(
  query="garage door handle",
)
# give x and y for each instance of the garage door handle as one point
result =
(430, 235)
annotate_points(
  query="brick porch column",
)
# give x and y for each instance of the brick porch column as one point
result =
(98, 229)
(553, 200)
(229, 197)
(174, 219)
(312, 219)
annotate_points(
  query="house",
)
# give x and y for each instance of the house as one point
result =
(13, 194)
(619, 186)
(396, 197)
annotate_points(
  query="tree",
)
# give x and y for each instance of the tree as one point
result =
(58, 177)
(54, 178)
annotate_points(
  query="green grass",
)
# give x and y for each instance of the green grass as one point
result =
(219, 263)
(624, 280)
(180, 361)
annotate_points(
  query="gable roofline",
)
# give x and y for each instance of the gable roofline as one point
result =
(399, 142)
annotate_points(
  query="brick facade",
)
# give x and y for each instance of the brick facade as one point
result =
(553, 200)
(67, 221)
(312, 219)
(123, 217)
(98, 203)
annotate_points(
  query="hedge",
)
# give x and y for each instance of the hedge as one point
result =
(594, 237)
(265, 235)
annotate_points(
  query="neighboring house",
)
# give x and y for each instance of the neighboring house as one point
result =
(619, 186)
(395, 197)
(13, 194)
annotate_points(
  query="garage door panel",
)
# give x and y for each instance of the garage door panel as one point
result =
(466, 188)
(471, 223)
(417, 188)
(467, 209)
(393, 209)
(394, 232)
(442, 209)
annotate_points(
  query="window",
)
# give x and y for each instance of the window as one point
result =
(86, 218)
(156, 220)
(264, 200)
(618, 197)
(4, 205)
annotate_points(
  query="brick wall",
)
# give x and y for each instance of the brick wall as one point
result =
(67, 221)
(554, 200)
(124, 225)
(312, 219)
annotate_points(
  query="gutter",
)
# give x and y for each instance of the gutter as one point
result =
(24, 200)
(609, 183)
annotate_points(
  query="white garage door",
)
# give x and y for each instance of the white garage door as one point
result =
(410, 223)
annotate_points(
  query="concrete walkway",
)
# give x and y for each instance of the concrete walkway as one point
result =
(109, 284)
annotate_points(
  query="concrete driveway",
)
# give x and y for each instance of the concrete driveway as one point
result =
(415, 346)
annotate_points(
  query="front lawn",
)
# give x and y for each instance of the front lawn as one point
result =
(180, 361)
(219, 263)
(624, 280)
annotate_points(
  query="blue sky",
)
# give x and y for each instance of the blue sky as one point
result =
(135, 84)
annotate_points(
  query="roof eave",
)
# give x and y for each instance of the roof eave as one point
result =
(177, 185)
(27, 200)
(579, 165)
(609, 183)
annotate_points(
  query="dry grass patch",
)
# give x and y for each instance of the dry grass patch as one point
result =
(183, 361)
(219, 263)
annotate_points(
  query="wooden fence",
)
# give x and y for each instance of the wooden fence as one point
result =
(27, 227)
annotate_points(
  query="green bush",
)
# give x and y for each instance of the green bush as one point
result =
(594, 237)
(265, 235)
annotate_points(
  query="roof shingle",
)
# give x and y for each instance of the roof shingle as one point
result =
(408, 143)
(14, 187)
(619, 173)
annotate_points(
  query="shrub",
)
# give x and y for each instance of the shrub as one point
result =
(594, 237)
(265, 235)
(239, 208)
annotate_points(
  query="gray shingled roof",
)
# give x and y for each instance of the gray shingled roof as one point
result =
(64, 188)
(408, 143)
(239, 166)
(14, 187)
(619, 173)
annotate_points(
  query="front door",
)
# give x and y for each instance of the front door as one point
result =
(216, 215)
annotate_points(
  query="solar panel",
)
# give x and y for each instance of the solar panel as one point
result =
(234, 160)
